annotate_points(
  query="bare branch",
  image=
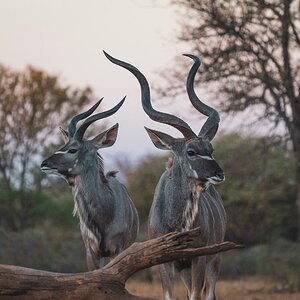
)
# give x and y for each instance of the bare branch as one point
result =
(109, 282)
(295, 32)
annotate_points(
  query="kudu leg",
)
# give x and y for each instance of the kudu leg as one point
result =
(91, 260)
(186, 277)
(167, 275)
(211, 277)
(198, 275)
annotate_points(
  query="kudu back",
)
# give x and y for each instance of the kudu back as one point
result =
(107, 215)
(185, 196)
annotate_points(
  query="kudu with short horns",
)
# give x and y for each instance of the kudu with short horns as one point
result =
(185, 196)
(108, 217)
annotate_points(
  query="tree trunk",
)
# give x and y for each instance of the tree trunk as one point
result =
(298, 205)
(108, 282)
(297, 158)
(295, 135)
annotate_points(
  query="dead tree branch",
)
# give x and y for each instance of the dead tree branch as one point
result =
(109, 282)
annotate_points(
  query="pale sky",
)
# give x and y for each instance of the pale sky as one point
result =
(66, 37)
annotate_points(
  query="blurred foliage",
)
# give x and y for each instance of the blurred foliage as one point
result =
(41, 233)
(260, 189)
(44, 247)
(141, 183)
(279, 259)
(26, 209)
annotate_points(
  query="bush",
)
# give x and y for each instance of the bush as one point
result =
(49, 248)
(21, 210)
(279, 260)
(142, 182)
(259, 193)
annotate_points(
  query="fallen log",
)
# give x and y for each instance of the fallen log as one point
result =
(109, 282)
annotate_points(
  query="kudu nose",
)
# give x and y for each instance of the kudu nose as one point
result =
(220, 175)
(44, 164)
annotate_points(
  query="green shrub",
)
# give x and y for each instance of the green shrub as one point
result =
(26, 209)
(279, 260)
(49, 248)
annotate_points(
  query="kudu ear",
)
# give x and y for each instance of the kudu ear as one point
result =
(64, 134)
(160, 140)
(107, 138)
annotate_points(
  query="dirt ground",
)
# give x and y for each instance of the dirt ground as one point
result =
(248, 289)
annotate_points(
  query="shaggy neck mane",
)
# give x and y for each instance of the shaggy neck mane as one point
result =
(189, 196)
(101, 168)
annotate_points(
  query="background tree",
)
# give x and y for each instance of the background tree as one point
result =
(32, 104)
(259, 191)
(250, 51)
(141, 183)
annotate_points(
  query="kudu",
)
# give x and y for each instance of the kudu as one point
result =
(185, 197)
(107, 215)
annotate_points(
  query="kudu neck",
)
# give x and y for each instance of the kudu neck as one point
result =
(91, 181)
(178, 176)
(179, 187)
(184, 201)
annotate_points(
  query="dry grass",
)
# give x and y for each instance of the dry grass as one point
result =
(249, 289)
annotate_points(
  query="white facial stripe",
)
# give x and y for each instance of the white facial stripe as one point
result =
(194, 172)
(76, 162)
(206, 157)
(61, 152)
(215, 180)
(50, 171)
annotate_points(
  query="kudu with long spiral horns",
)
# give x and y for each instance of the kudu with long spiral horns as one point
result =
(185, 196)
(107, 215)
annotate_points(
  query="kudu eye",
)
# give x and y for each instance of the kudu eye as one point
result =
(72, 150)
(191, 153)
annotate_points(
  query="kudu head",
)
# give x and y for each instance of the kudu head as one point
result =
(79, 152)
(194, 152)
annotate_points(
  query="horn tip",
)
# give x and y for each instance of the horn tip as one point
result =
(108, 56)
(193, 57)
(97, 103)
(148, 129)
(121, 102)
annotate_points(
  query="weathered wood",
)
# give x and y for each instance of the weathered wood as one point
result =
(109, 282)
